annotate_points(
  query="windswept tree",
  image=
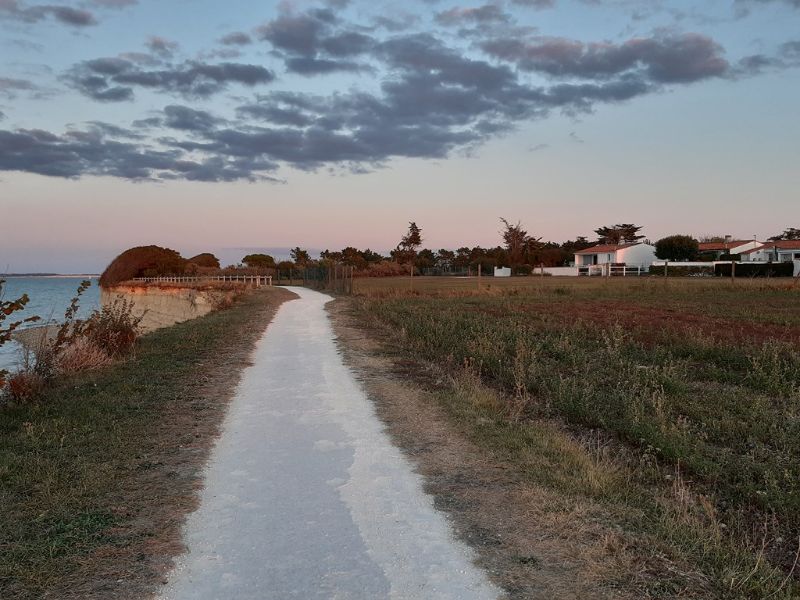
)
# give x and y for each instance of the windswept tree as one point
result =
(406, 250)
(516, 241)
(259, 261)
(300, 257)
(678, 248)
(620, 233)
(792, 233)
(519, 245)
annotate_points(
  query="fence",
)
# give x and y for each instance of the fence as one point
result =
(254, 280)
(612, 270)
(337, 278)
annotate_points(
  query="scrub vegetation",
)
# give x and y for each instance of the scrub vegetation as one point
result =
(96, 475)
(674, 404)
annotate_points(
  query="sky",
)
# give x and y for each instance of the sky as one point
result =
(235, 126)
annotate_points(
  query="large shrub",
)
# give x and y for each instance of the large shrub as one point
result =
(677, 247)
(143, 261)
(206, 259)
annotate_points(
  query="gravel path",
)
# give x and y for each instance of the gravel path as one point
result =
(305, 496)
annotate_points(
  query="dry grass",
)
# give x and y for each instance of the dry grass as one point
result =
(82, 355)
(95, 479)
(524, 496)
(686, 438)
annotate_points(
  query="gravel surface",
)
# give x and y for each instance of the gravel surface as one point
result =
(306, 497)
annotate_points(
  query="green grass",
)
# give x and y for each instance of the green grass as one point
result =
(721, 414)
(79, 468)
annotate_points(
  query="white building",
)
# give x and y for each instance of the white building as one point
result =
(608, 258)
(779, 251)
(713, 250)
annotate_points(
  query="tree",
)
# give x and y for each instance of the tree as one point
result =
(792, 233)
(300, 256)
(677, 247)
(285, 267)
(516, 241)
(206, 259)
(619, 233)
(407, 248)
(425, 259)
(143, 261)
(259, 261)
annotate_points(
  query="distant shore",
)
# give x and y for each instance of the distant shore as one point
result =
(50, 275)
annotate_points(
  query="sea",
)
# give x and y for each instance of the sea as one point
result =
(49, 297)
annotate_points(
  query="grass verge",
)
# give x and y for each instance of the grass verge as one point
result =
(96, 478)
(685, 439)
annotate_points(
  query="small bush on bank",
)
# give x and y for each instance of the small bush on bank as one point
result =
(25, 386)
(73, 346)
(82, 355)
(114, 328)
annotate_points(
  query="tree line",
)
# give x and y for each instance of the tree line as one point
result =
(518, 249)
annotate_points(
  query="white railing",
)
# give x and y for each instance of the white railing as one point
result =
(611, 270)
(254, 280)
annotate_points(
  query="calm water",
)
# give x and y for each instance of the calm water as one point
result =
(49, 298)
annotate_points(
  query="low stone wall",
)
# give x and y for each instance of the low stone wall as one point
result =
(165, 306)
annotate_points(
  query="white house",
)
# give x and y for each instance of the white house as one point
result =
(728, 246)
(779, 251)
(637, 255)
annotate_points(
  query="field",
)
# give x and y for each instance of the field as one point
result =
(683, 396)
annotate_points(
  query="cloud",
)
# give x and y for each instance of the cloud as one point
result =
(114, 79)
(432, 98)
(13, 9)
(314, 42)
(679, 58)
(488, 13)
(161, 46)
(10, 87)
(114, 3)
(2, 115)
(189, 119)
(94, 152)
(395, 23)
(538, 4)
(237, 38)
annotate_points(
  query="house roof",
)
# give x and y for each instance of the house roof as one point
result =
(606, 248)
(711, 246)
(780, 245)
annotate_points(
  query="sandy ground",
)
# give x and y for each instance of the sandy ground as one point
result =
(306, 497)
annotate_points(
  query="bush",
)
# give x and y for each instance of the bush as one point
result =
(206, 259)
(8, 308)
(677, 247)
(81, 355)
(25, 386)
(114, 328)
(522, 270)
(143, 261)
(684, 271)
(384, 268)
(756, 269)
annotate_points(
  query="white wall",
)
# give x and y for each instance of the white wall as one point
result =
(560, 271)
